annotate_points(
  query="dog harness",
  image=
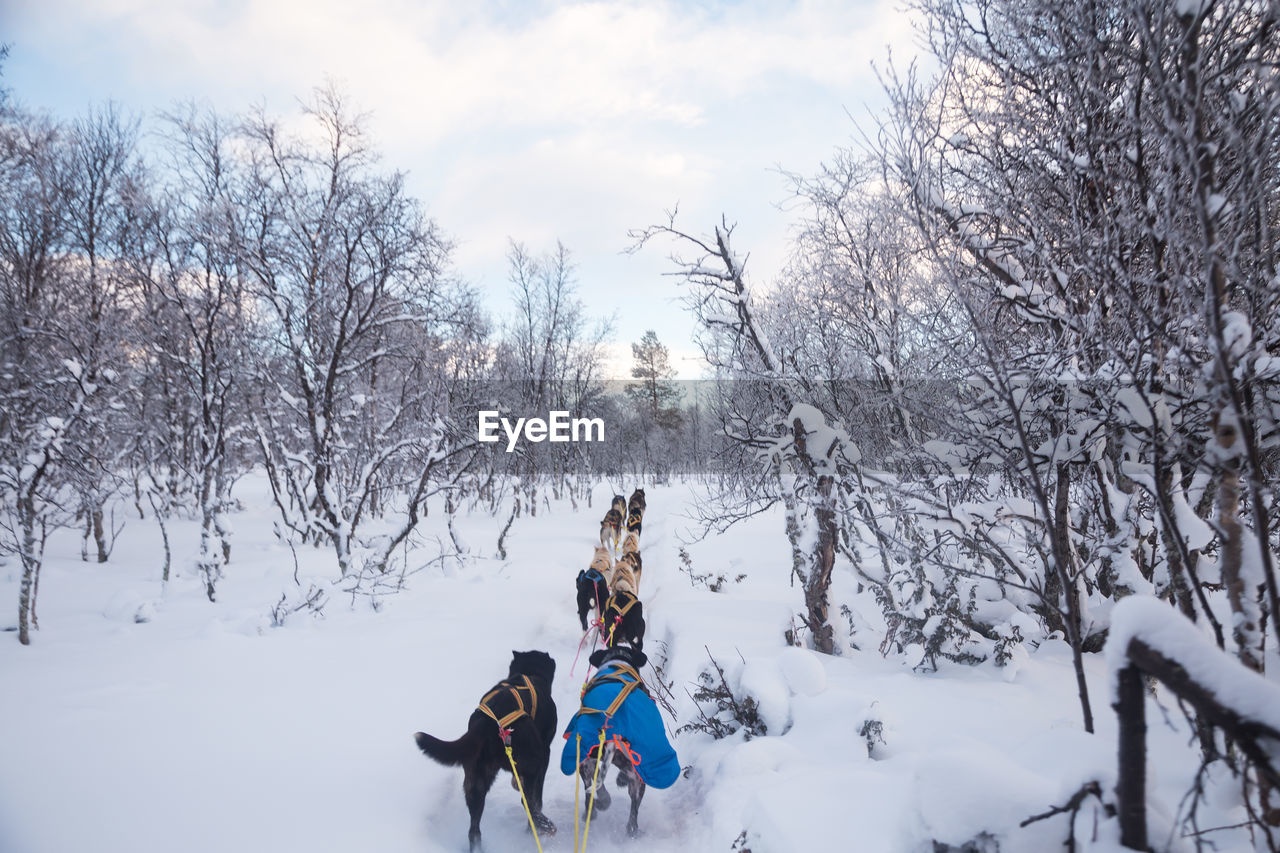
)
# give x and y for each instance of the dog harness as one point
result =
(630, 715)
(504, 731)
(504, 722)
(622, 610)
(621, 673)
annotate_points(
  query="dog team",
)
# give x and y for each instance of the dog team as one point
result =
(617, 723)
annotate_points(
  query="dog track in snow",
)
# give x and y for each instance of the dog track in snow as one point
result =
(669, 821)
(668, 818)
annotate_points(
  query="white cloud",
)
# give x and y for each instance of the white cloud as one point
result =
(537, 121)
(428, 68)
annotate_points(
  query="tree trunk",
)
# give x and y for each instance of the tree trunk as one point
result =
(1063, 562)
(787, 487)
(1245, 628)
(207, 562)
(1131, 787)
(815, 594)
(30, 569)
(83, 512)
(99, 537)
(1173, 547)
(502, 537)
(450, 510)
(164, 536)
(817, 579)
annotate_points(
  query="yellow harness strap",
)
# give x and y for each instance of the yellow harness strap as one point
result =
(622, 611)
(618, 674)
(506, 720)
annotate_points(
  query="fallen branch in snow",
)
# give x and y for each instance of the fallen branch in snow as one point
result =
(1148, 637)
(314, 600)
(1245, 732)
(1200, 832)
(1072, 806)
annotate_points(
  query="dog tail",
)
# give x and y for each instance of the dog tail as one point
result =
(448, 752)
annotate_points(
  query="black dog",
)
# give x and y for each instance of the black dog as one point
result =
(521, 706)
(592, 592)
(635, 511)
(623, 620)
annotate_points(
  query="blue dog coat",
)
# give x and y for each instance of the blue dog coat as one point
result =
(636, 720)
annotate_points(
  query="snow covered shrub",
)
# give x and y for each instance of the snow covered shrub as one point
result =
(722, 711)
(872, 732)
(847, 613)
(983, 842)
(931, 613)
(1004, 651)
(704, 579)
(313, 602)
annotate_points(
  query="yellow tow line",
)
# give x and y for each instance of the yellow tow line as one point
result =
(523, 799)
(594, 785)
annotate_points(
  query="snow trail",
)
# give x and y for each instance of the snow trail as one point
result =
(207, 730)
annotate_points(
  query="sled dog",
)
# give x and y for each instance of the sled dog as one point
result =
(617, 701)
(521, 707)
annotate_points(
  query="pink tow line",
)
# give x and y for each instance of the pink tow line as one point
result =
(596, 624)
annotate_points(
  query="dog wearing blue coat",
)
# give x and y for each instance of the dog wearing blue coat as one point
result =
(617, 702)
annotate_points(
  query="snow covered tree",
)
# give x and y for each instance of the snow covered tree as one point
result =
(197, 326)
(881, 350)
(550, 356)
(64, 209)
(788, 449)
(102, 174)
(38, 392)
(1098, 186)
(350, 279)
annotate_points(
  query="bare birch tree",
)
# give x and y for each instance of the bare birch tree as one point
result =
(350, 276)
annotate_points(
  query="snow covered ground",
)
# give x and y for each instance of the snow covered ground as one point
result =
(204, 728)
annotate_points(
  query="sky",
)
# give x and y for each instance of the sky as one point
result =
(530, 121)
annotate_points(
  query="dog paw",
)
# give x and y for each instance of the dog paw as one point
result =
(633, 830)
(544, 824)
